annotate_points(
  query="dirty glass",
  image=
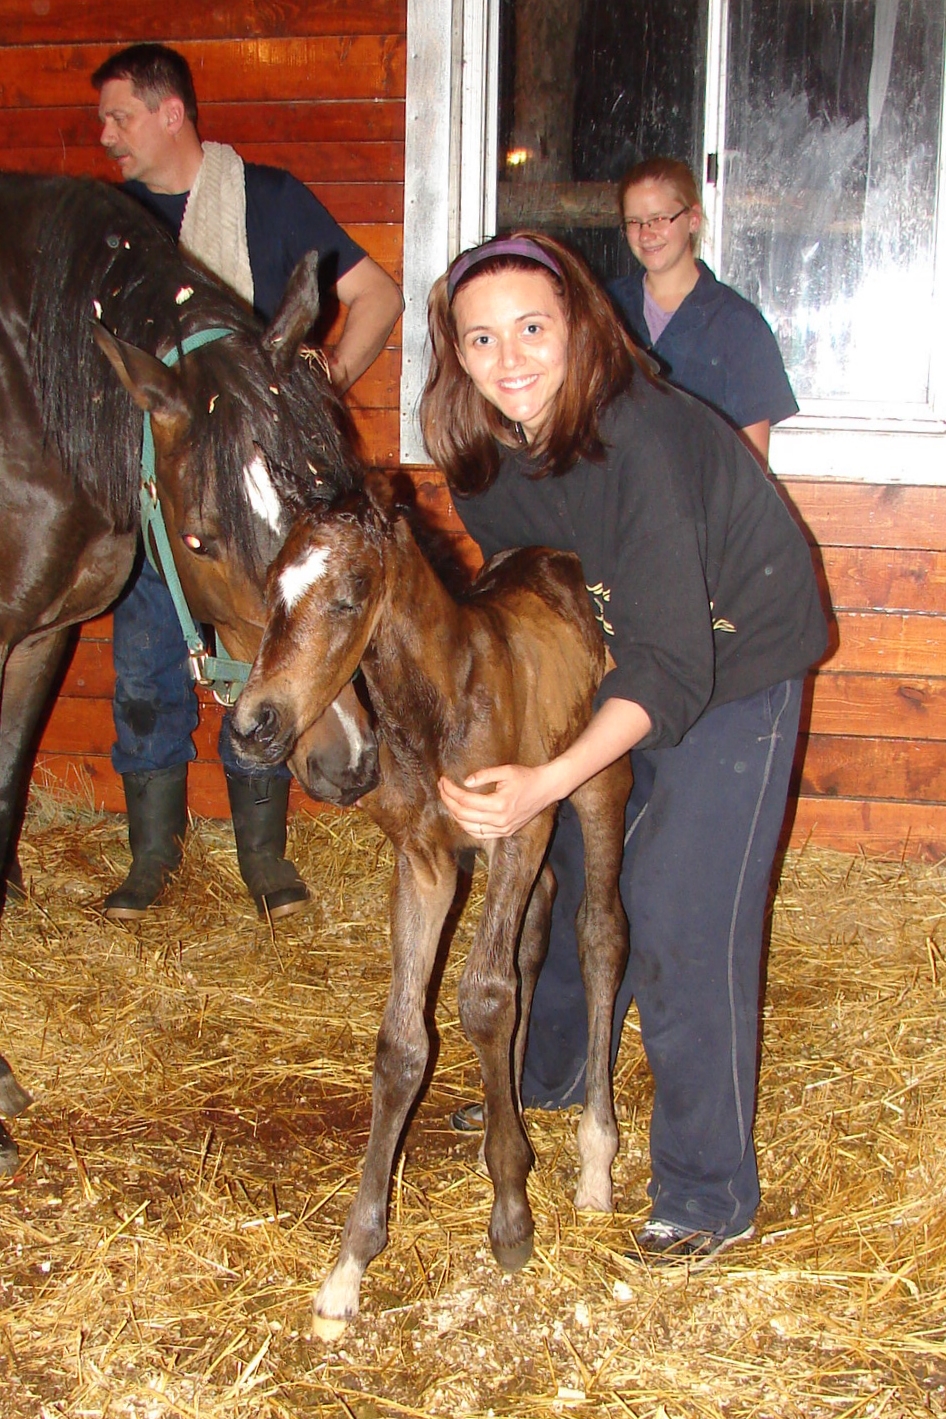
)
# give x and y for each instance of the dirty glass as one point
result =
(588, 88)
(829, 187)
(831, 114)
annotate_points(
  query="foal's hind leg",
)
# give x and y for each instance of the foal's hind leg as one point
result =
(421, 896)
(28, 674)
(602, 949)
(487, 1002)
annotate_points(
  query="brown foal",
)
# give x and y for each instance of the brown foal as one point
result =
(505, 675)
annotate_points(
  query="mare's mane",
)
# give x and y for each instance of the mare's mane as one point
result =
(101, 250)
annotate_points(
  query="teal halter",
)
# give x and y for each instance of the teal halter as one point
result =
(223, 676)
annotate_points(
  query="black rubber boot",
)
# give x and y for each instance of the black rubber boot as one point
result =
(258, 807)
(157, 818)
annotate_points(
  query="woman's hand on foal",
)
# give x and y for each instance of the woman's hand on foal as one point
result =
(494, 803)
(497, 802)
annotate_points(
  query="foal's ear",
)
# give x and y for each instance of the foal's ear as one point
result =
(386, 493)
(297, 313)
(149, 382)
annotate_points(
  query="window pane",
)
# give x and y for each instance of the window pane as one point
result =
(587, 88)
(832, 144)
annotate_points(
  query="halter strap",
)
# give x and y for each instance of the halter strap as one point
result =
(223, 676)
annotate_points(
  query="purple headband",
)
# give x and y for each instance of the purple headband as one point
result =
(499, 246)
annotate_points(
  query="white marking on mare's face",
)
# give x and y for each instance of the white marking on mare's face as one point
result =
(263, 497)
(296, 580)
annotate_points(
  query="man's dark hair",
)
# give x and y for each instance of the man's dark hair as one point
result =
(155, 72)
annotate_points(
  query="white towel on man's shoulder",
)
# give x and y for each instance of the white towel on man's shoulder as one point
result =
(213, 231)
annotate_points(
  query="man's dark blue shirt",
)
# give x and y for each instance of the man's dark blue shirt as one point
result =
(283, 222)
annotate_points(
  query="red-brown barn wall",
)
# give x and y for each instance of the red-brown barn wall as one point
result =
(319, 88)
(316, 86)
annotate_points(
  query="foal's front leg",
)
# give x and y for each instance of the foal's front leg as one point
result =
(421, 895)
(488, 1008)
(533, 948)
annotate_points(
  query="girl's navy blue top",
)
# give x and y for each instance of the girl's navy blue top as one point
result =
(717, 346)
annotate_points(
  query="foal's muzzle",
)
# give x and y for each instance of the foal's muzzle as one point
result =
(261, 736)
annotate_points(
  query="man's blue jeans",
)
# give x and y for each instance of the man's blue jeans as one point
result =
(155, 704)
(703, 824)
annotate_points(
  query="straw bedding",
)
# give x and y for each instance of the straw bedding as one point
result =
(202, 1089)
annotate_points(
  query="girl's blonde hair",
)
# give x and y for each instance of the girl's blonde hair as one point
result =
(676, 174)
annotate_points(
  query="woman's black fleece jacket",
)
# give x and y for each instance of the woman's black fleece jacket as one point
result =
(701, 582)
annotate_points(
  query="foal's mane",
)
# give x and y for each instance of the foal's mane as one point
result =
(101, 249)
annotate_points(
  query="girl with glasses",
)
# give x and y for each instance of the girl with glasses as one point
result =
(552, 431)
(707, 338)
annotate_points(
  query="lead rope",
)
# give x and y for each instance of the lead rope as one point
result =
(224, 677)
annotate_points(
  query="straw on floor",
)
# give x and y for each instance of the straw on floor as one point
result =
(202, 1097)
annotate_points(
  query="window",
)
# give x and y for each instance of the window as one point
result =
(816, 126)
(832, 142)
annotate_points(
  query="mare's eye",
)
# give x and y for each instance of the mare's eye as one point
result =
(195, 544)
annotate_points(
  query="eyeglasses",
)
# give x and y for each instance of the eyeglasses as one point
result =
(657, 224)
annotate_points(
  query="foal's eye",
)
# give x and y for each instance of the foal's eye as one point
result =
(344, 608)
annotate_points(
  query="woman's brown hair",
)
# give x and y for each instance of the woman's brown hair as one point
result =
(463, 431)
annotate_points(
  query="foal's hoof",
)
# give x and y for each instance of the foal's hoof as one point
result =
(337, 1301)
(327, 1328)
(512, 1257)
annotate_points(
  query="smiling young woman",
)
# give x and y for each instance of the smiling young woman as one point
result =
(552, 432)
(707, 338)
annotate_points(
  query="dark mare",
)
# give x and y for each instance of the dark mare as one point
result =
(505, 675)
(246, 435)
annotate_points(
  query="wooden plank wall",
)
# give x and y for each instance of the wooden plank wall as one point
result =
(872, 762)
(317, 86)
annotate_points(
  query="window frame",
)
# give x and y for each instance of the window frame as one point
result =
(451, 124)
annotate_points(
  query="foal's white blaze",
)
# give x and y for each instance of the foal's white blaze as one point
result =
(350, 729)
(263, 497)
(296, 580)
